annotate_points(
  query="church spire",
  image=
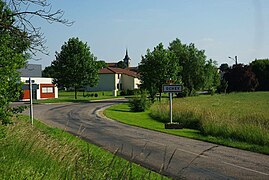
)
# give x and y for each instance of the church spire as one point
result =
(127, 59)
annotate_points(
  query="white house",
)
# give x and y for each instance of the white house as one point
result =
(114, 79)
(43, 88)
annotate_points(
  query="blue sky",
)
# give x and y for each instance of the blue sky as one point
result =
(220, 27)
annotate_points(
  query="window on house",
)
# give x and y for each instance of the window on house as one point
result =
(47, 89)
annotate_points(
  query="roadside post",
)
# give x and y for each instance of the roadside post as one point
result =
(31, 99)
(171, 88)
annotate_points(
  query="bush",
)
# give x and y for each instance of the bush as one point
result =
(95, 95)
(139, 104)
(123, 93)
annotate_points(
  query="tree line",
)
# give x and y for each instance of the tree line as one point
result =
(75, 66)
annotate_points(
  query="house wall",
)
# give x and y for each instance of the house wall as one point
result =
(107, 82)
(45, 84)
(130, 82)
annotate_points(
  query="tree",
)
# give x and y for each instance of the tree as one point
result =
(48, 72)
(75, 66)
(224, 67)
(121, 64)
(261, 69)
(241, 78)
(22, 14)
(101, 64)
(17, 36)
(212, 76)
(155, 68)
(192, 62)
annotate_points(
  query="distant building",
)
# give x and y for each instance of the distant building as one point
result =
(43, 88)
(115, 79)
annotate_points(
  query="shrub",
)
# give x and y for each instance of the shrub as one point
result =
(123, 93)
(95, 95)
(139, 104)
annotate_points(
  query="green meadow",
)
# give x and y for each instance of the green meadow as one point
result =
(237, 119)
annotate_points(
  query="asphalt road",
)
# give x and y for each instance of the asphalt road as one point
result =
(173, 156)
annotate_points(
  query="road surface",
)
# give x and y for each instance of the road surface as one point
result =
(170, 155)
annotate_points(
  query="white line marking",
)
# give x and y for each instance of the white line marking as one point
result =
(230, 164)
(246, 168)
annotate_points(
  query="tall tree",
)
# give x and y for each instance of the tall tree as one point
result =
(212, 76)
(75, 66)
(17, 36)
(241, 78)
(261, 69)
(192, 62)
(155, 68)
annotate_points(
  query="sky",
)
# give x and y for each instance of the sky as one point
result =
(223, 28)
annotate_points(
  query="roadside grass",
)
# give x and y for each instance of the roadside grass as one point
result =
(42, 152)
(237, 120)
(69, 96)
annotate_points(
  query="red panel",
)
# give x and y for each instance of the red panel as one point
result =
(47, 95)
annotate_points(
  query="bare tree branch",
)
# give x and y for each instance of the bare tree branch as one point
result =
(23, 11)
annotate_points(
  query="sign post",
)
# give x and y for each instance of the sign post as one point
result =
(171, 88)
(31, 99)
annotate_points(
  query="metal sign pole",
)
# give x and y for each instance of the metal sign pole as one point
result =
(171, 107)
(31, 101)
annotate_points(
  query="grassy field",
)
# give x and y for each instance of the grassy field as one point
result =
(41, 152)
(69, 96)
(238, 119)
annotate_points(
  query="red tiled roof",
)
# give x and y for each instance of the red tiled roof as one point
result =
(111, 70)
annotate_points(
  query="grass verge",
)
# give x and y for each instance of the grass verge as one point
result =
(122, 113)
(69, 96)
(42, 152)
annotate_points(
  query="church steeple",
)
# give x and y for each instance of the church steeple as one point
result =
(127, 59)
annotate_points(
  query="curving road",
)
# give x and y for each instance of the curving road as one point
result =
(173, 156)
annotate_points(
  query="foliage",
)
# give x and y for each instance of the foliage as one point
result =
(193, 62)
(139, 104)
(101, 64)
(18, 35)
(22, 16)
(212, 80)
(42, 152)
(122, 113)
(261, 69)
(156, 67)
(240, 78)
(75, 66)
(48, 72)
(224, 67)
(240, 116)
(12, 57)
(121, 64)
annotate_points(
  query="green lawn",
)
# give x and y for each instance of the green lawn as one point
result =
(241, 110)
(42, 152)
(69, 96)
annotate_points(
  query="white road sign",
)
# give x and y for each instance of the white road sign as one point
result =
(172, 88)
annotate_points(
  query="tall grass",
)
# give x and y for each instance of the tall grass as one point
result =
(47, 153)
(239, 116)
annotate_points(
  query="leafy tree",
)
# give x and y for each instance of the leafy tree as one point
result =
(224, 67)
(101, 64)
(121, 64)
(17, 36)
(241, 78)
(155, 68)
(212, 77)
(75, 66)
(192, 62)
(261, 69)
(48, 72)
